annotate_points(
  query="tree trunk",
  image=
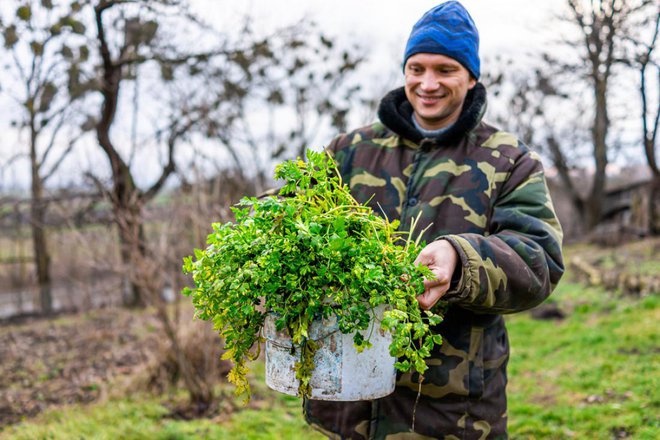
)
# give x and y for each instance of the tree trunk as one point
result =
(654, 193)
(599, 136)
(132, 250)
(126, 197)
(41, 255)
(654, 206)
(38, 222)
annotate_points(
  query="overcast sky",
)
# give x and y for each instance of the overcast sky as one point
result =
(507, 27)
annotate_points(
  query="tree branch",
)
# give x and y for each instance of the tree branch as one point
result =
(106, 57)
(99, 185)
(60, 159)
(171, 166)
(53, 136)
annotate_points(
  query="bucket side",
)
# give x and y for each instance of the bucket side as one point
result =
(341, 373)
(282, 356)
(367, 375)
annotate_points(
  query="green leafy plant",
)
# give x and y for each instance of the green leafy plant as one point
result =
(307, 254)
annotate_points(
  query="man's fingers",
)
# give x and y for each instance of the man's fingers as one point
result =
(440, 257)
(428, 284)
(431, 296)
(422, 260)
(439, 280)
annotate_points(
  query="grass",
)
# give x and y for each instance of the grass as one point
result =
(270, 416)
(145, 418)
(593, 375)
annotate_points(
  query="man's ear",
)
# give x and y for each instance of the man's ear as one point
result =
(472, 82)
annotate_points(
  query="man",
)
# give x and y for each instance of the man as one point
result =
(494, 239)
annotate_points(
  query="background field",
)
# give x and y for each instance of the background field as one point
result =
(593, 373)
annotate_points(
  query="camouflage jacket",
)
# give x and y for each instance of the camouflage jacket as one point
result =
(485, 192)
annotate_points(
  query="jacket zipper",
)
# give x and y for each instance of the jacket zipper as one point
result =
(411, 183)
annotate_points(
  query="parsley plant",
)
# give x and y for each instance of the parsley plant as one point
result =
(309, 253)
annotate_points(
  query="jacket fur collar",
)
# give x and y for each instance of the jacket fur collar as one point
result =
(395, 112)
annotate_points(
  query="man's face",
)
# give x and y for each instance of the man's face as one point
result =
(436, 86)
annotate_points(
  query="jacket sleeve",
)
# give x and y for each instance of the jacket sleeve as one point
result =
(518, 263)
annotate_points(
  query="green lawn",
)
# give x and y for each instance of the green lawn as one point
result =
(133, 419)
(145, 418)
(593, 375)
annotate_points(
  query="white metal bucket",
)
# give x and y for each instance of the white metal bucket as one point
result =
(341, 373)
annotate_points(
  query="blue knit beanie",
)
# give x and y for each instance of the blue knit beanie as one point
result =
(447, 30)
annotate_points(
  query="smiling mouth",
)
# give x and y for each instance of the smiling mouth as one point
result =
(430, 99)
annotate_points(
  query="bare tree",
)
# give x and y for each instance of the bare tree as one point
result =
(120, 58)
(537, 112)
(599, 24)
(650, 117)
(644, 63)
(556, 98)
(40, 44)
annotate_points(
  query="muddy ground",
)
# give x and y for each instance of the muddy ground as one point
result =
(72, 359)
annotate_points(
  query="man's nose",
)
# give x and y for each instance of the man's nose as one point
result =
(429, 81)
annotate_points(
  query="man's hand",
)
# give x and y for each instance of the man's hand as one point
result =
(441, 257)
